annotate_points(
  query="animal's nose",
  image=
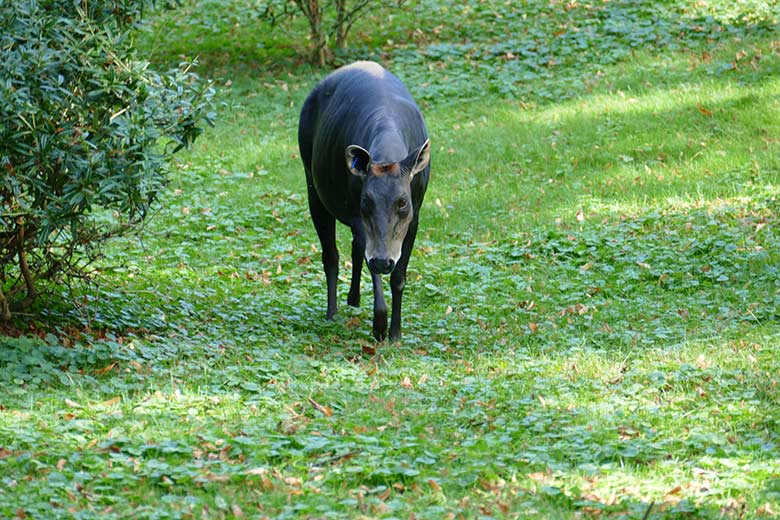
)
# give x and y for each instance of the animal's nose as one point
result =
(381, 265)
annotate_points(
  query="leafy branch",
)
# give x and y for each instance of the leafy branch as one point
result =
(85, 135)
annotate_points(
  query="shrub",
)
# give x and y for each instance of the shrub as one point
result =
(329, 21)
(86, 136)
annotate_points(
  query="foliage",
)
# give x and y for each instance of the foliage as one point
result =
(551, 51)
(81, 122)
(591, 323)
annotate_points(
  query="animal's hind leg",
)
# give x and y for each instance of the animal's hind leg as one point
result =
(325, 225)
(358, 252)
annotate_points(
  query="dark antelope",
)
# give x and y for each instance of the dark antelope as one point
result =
(366, 154)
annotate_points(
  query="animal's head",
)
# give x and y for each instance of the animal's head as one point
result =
(386, 202)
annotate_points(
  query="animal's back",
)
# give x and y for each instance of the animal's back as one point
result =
(348, 107)
(349, 96)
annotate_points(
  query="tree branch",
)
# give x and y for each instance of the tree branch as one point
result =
(312, 10)
(346, 18)
(28, 278)
(5, 309)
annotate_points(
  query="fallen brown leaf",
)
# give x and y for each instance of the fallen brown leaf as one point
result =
(703, 110)
(112, 401)
(352, 322)
(766, 510)
(293, 481)
(325, 410)
(105, 370)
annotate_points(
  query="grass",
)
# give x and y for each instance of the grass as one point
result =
(591, 326)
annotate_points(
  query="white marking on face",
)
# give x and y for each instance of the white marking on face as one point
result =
(393, 249)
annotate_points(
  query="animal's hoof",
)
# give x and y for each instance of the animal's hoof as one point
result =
(380, 335)
(353, 300)
(395, 337)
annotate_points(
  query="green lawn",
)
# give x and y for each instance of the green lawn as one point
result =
(591, 320)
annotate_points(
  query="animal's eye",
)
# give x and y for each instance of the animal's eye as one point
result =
(366, 206)
(403, 203)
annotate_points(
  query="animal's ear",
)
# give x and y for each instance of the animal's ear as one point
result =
(358, 160)
(418, 160)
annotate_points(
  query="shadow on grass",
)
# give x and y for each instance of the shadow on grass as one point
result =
(572, 441)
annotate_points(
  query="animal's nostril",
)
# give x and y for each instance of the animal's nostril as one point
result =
(381, 265)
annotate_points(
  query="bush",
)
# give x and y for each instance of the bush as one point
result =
(329, 21)
(87, 135)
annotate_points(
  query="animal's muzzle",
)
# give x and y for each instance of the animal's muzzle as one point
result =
(381, 265)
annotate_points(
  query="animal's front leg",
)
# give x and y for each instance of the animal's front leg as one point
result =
(380, 308)
(398, 280)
